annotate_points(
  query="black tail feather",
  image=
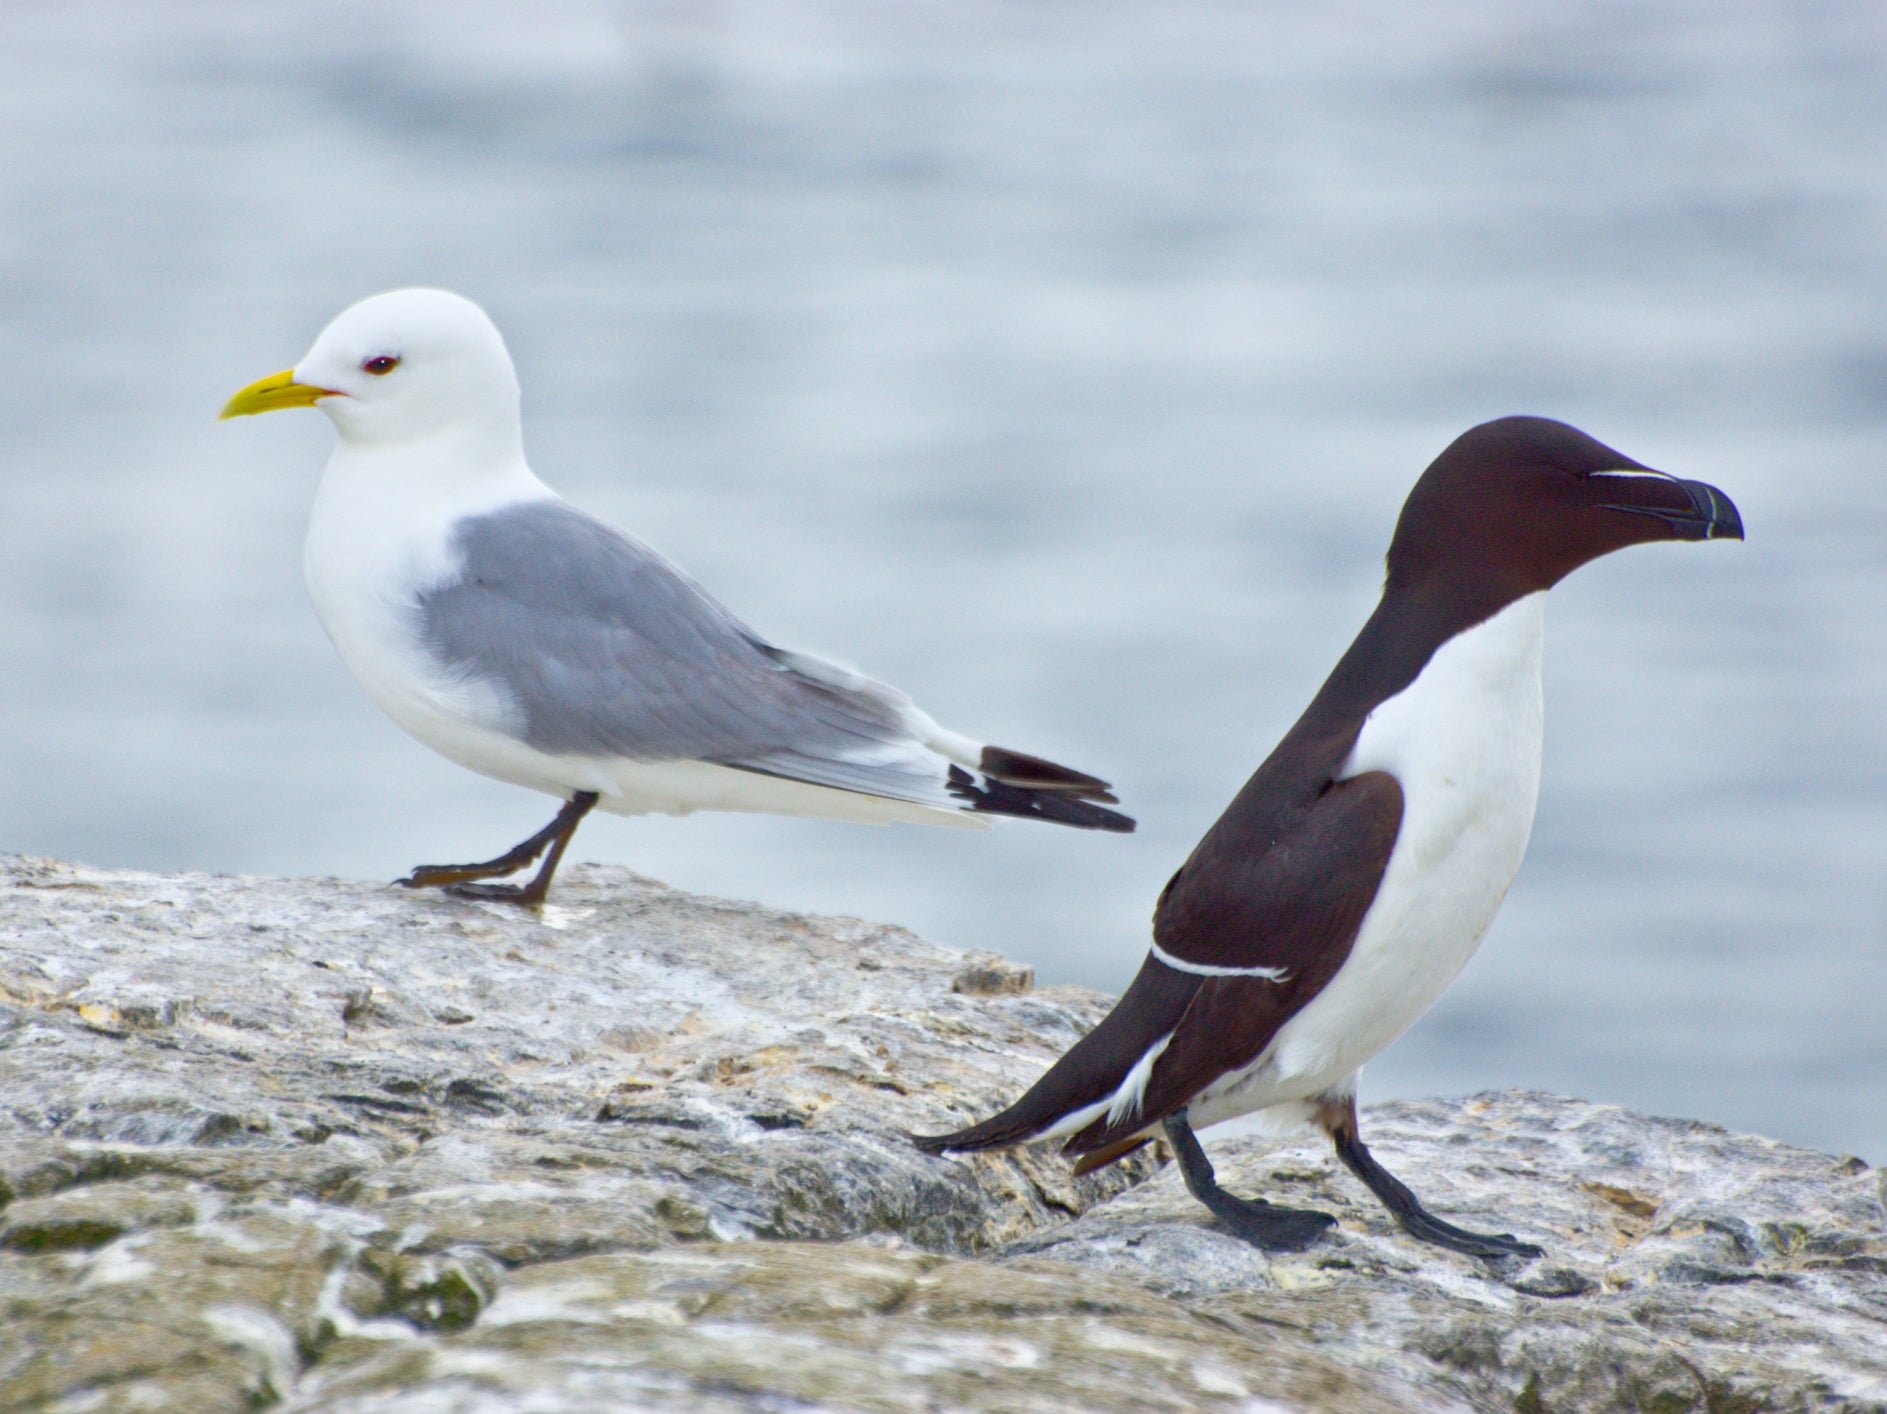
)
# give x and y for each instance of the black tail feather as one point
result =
(1113, 1153)
(998, 1132)
(1059, 804)
(1091, 1069)
(1016, 768)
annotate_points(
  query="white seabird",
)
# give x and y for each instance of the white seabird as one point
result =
(530, 642)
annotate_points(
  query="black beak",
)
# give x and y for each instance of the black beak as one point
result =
(1711, 515)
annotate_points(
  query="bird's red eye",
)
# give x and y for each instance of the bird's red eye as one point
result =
(380, 366)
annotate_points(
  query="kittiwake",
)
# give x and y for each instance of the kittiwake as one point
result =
(529, 641)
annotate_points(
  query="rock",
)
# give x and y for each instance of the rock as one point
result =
(992, 976)
(1685, 1268)
(741, 1326)
(317, 1145)
(98, 1213)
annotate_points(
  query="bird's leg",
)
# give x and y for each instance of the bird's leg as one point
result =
(1256, 1221)
(1338, 1118)
(555, 836)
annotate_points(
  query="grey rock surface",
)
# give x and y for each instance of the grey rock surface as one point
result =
(316, 1145)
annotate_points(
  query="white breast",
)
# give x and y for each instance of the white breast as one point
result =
(380, 536)
(1463, 740)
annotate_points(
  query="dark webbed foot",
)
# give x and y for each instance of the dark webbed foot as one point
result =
(1339, 1120)
(1255, 1221)
(1492, 1245)
(456, 879)
(1265, 1225)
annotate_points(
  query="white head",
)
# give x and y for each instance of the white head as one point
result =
(399, 366)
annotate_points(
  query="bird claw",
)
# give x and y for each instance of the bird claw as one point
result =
(449, 876)
(525, 895)
(1495, 1245)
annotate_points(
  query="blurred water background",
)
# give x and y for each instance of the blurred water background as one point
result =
(1064, 363)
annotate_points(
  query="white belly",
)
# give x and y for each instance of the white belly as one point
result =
(1464, 742)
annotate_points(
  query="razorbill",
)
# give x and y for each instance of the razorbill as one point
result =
(1354, 874)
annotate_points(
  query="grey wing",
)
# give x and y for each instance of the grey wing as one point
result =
(608, 650)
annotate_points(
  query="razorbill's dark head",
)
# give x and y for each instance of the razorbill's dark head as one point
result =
(1517, 504)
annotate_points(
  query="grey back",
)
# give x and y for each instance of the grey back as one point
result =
(609, 650)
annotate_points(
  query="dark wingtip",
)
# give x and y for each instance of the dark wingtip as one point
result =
(994, 797)
(997, 1132)
(1018, 768)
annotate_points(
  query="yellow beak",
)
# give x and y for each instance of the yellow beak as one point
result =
(278, 390)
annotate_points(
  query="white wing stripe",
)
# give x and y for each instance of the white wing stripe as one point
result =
(1200, 969)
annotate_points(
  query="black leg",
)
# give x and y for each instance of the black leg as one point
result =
(1253, 1219)
(555, 836)
(1339, 1120)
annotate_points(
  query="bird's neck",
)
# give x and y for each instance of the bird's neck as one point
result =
(453, 472)
(1387, 655)
(384, 516)
(1397, 643)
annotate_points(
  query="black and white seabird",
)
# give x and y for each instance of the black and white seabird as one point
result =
(528, 641)
(1351, 879)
